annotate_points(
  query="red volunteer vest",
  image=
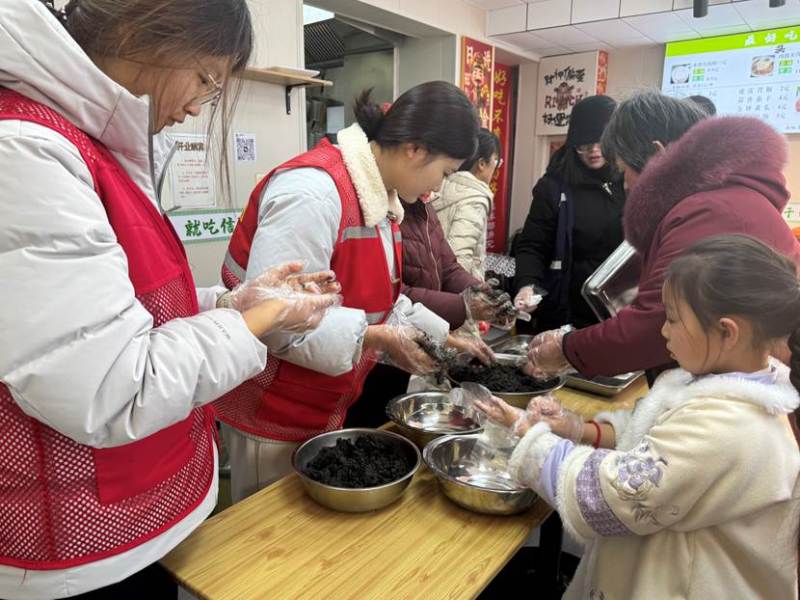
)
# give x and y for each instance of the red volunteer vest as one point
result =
(64, 504)
(286, 401)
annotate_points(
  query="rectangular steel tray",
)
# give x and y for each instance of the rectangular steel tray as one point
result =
(603, 386)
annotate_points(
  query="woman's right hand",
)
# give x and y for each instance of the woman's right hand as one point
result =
(527, 300)
(401, 345)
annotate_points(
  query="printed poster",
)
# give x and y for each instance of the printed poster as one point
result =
(191, 177)
(477, 68)
(564, 81)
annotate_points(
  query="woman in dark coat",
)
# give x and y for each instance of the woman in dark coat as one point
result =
(574, 223)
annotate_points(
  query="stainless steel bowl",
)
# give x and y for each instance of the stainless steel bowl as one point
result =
(519, 399)
(354, 499)
(483, 491)
(516, 344)
(424, 416)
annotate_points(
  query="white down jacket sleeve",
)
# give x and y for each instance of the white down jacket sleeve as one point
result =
(79, 352)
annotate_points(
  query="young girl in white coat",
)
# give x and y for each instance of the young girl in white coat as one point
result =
(693, 494)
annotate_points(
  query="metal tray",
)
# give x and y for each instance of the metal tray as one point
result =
(603, 386)
(615, 283)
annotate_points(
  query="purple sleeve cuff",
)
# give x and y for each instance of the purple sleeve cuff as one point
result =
(548, 478)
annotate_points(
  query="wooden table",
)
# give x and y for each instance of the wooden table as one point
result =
(588, 405)
(280, 544)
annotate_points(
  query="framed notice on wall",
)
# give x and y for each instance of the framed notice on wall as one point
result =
(190, 177)
(563, 81)
(477, 76)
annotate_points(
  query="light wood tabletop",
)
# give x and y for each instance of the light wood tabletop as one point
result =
(588, 405)
(280, 544)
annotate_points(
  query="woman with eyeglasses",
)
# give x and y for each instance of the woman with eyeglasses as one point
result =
(108, 457)
(574, 223)
(465, 202)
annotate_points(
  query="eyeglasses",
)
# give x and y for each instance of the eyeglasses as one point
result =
(586, 148)
(499, 163)
(213, 93)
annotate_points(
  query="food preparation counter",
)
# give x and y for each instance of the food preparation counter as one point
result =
(280, 544)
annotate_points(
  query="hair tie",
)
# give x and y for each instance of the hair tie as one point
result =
(59, 13)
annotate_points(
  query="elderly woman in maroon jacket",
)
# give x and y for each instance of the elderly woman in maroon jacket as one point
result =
(722, 176)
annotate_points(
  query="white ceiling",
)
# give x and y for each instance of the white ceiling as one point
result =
(581, 25)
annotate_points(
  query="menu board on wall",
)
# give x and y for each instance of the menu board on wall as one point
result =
(563, 81)
(477, 67)
(755, 74)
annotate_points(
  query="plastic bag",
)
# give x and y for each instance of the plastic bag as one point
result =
(529, 298)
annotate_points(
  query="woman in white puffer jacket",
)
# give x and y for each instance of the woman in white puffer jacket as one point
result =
(465, 202)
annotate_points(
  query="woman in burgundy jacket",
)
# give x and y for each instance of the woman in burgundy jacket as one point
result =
(431, 272)
(723, 176)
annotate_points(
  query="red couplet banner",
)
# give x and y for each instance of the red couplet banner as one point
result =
(502, 122)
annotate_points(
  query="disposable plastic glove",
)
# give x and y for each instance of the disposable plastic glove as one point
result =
(546, 355)
(297, 301)
(527, 299)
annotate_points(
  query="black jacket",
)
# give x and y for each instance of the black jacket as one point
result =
(598, 201)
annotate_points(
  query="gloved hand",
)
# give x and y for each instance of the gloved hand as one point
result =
(472, 345)
(562, 422)
(501, 412)
(284, 299)
(546, 355)
(527, 300)
(402, 346)
(484, 302)
(280, 282)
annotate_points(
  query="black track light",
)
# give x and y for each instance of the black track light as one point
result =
(700, 8)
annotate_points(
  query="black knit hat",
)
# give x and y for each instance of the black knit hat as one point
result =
(588, 120)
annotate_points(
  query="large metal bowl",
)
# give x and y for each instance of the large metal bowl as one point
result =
(354, 499)
(424, 416)
(518, 399)
(515, 344)
(486, 492)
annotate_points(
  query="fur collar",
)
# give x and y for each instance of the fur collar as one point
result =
(376, 203)
(714, 154)
(675, 388)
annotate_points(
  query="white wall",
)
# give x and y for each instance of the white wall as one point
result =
(362, 71)
(528, 147)
(634, 69)
(426, 59)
